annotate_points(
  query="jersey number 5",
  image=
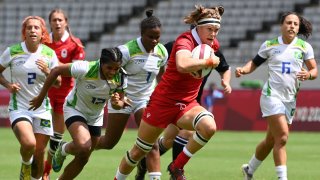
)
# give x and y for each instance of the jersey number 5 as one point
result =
(286, 67)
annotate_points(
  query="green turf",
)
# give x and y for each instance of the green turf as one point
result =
(220, 159)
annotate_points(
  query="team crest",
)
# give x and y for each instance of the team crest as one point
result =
(64, 53)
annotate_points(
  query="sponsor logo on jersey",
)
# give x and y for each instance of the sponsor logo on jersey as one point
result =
(90, 86)
(139, 61)
(182, 106)
(18, 63)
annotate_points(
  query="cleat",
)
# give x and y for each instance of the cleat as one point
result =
(58, 158)
(25, 172)
(46, 171)
(246, 174)
(141, 169)
(176, 173)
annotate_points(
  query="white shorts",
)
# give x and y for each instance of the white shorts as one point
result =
(136, 105)
(271, 106)
(41, 122)
(92, 121)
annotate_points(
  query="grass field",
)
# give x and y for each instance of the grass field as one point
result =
(220, 159)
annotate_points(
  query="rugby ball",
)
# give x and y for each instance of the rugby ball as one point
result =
(201, 52)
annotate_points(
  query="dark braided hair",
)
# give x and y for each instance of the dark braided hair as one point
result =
(110, 55)
(58, 10)
(305, 27)
(150, 22)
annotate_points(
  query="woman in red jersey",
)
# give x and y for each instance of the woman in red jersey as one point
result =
(174, 98)
(68, 49)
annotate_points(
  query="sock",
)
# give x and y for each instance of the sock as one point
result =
(254, 163)
(120, 176)
(155, 175)
(63, 149)
(182, 158)
(162, 149)
(143, 164)
(177, 146)
(47, 167)
(54, 142)
(27, 162)
(281, 172)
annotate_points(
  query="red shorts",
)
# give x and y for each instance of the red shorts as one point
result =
(162, 113)
(56, 102)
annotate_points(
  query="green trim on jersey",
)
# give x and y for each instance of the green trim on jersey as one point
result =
(14, 100)
(161, 50)
(46, 51)
(272, 42)
(48, 106)
(93, 72)
(16, 50)
(301, 44)
(133, 47)
(74, 101)
(269, 89)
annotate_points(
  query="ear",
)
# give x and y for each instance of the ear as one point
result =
(221, 10)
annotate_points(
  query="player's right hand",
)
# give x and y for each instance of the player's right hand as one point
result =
(239, 72)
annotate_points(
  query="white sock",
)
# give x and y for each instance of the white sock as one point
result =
(155, 175)
(254, 163)
(120, 176)
(282, 172)
(27, 162)
(187, 152)
(63, 149)
(32, 178)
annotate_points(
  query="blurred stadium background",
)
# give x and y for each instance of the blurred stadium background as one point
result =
(246, 24)
(100, 23)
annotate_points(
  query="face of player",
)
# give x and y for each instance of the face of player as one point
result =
(58, 24)
(150, 38)
(33, 32)
(108, 70)
(290, 27)
(207, 33)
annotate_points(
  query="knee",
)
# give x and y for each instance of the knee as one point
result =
(207, 131)
(281, 140)
(83, 149)
(105, 143)
(28, 145)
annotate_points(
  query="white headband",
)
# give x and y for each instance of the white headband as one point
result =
(209, 21)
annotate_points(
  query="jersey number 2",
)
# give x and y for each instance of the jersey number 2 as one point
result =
(31, 78)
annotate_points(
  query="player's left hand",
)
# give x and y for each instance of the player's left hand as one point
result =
(303, 75)
(227, 88)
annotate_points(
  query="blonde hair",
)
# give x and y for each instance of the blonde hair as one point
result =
(45, 35)
(201, 12)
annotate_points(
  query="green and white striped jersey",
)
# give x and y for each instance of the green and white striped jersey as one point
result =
(142, 67)
(23, 70)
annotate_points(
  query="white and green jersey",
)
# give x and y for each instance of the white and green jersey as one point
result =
(284, 62)
(91, 93)
(142, 67)
(23, 70)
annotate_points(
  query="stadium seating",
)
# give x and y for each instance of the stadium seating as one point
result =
(99, 23)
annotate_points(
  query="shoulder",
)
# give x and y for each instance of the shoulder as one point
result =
(47, 51)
